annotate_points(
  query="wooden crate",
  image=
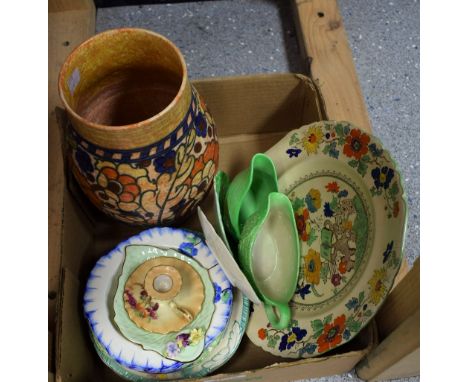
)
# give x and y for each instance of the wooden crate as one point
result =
(326, 49)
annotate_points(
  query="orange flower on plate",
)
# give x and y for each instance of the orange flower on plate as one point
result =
(262, 333)
(332, 334)
(343, 267)
(356, 144)
(332, 187)
(302, 223)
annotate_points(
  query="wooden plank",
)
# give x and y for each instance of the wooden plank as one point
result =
(402, 302)
(66, 31)
(50, 347)
(70, 5)
(331, 62)
(406, 367)
(324, 43)
(399, 348)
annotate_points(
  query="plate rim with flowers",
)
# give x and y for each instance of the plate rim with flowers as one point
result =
(363, 155)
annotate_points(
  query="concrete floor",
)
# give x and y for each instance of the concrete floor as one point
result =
(222, 38)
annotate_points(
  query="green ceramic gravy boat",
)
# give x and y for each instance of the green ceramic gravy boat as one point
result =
(248, 192)
(269, 253)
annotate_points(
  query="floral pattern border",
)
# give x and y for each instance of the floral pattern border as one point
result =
(325, 334)
(362, 154)
(157, 189)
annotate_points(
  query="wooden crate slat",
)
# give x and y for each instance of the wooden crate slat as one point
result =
(400, 348)
(66, 31)
(326, 46)
(404, 368)
(332, 66)
(70, 5)
(403, 301)
(324, 43)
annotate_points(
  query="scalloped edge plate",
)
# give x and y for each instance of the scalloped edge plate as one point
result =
(341, 150)
(102, 282)
(215, 356)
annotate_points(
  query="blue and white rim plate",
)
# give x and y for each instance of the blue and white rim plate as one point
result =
(218, 354)
(103, 281)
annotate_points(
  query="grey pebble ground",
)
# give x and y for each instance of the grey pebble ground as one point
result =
(223, 38)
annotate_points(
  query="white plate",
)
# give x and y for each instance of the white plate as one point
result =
(102, 283)
(215, 356)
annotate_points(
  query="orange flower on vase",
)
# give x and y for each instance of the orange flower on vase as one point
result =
(201, 176)
(120, 184)
(356, 144)
(211, 154)
(86, 187)
(262, 333)
(332, 334)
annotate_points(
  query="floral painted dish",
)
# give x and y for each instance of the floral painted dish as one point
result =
(350, 213)
(103, 281)
(146, 317)
(215, 356)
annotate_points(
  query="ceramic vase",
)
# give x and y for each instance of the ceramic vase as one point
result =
(141, 142)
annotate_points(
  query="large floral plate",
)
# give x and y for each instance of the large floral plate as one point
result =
(215, 356)
(350, 212)
(103, 281)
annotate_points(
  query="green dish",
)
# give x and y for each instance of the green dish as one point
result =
(248, 192)
(269, 253)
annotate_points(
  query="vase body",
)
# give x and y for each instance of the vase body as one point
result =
(141, 142)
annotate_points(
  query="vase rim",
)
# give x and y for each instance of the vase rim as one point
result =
(116, 128)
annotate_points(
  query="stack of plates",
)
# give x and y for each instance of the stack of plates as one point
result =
(123, 329)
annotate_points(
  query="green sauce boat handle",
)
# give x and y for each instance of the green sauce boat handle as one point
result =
(284, 319)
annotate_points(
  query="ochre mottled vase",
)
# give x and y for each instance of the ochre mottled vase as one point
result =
(142, 144)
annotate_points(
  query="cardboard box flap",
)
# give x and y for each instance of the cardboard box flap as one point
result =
(261, 104)
(73, 361)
